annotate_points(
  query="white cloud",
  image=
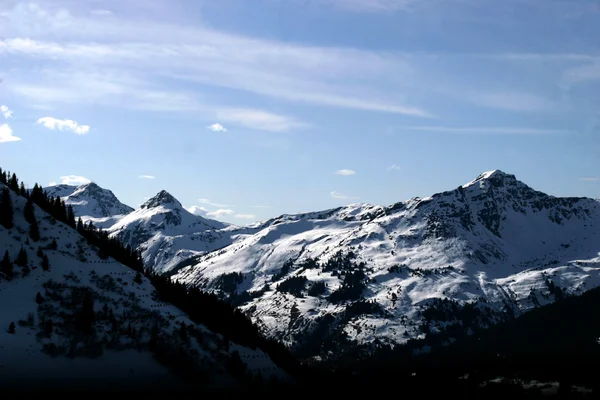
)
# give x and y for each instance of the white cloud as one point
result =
(394, 167)
(5, 111)
(101, 12)
(6, 134)
(372, 5)
(590, 179)
(512, 101)
(63, 124)
(52, 184)
(245, 216)
(210, 203)
(220, 213)
(338, 195)
(146, 177)
(200, 211)
(487, 130)
(74, 180)
(345, 172)
(258, 119)
(217, 128)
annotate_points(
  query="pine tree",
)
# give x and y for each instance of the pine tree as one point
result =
(6, 266)
(22, 190)
(38, 298)
(21, 259)
(6, 209)
(48, 327)
(53, 245)
(71, 216)
(14, 183)
(28, 212)
(40, 252)
(45, 263)
(11, 327)
(34, 230)
(80, 228)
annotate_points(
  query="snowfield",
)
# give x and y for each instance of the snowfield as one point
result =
(368, 274)
(44, 348)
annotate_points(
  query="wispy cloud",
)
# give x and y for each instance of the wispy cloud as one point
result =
(4, 110)
(512, 101)
(146, 177)
(338, 195)
(583, 73)
(487, 130)
(345, 172)
(261, 120)
(200, 211)
(150, 51)
(245, 216)
(220, 213)
(217, 128)
(595, 178)
(74, 180)
(210, 203)
(371, 5)
(63, 124)
(394, 167)
(6, 134)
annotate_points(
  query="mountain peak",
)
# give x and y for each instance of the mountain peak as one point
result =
(496, 177)
(162, 198)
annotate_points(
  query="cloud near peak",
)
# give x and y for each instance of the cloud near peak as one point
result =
(63, 124)
(340, 196)
(74, 180)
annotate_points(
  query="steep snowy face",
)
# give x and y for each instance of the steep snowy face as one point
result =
(371, 274)
(167, 233)
(91, 203)
(42, 297)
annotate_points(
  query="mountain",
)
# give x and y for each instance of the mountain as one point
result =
(91, 202)
(73, 318)
(364, 276)
(167, 233)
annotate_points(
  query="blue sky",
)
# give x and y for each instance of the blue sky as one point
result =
(248, 109)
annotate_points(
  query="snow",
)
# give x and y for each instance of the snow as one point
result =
(492, 239)
(76, 265)
(498, 268)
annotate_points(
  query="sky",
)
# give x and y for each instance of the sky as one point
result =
(248, 109)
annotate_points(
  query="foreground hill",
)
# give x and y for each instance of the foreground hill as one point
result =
(368, 275)
(72, 317)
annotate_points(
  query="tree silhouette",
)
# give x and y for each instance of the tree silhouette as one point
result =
(11, 327)
(21, 259)
(6, 265)
(6, 209)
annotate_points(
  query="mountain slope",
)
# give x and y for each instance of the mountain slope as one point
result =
(364, 274)
(91, 203)
(167, 233)
(86, 322)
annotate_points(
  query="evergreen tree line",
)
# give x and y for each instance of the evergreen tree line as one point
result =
(203, 308)
(221, 317)
(54, 206)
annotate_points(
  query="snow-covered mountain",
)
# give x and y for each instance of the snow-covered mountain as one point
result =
(365, 274)
(91, 203)
(43, 295)
(167, 233)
